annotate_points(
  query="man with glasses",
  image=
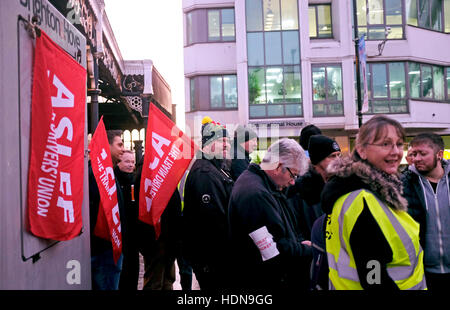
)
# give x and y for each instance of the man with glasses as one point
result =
(267, 249)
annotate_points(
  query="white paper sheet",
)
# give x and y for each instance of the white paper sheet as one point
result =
(264, 241)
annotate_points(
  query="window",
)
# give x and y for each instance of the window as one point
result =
(273, 54)
(221, 25)
(427, 81)
(387, 87)
(189, 28)
(447, 85)
(374, 16)
(391, 84)
(429, 14)
(327, 90)
(210, 25)
(192, 94)
(320, 21)
(217, 92)
(447, 15)
(223, 92)
(130, 137)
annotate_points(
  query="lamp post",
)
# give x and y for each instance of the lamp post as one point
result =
(358, 75)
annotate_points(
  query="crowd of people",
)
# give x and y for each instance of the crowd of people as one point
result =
(305, 218)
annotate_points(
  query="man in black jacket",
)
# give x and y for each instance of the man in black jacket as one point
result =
(306, 204)
(244, 143)
(267, 249)
(304, 196)
(206, 195)
(125, 174)
(105, 273)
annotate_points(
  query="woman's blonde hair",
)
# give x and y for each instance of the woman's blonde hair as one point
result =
(374, 129)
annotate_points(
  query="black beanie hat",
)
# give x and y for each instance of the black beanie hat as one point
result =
(320, 147)
(306, 133)
(212, 131)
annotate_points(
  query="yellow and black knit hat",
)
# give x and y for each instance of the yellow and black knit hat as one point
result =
(212, 131)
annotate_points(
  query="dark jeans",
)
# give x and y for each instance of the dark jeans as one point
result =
(185, 271)
(105, 273)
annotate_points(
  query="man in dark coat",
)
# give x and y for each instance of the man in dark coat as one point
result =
(267, 249)
(125, 174)
(206, 195)
(105, 272)
(159, 254)
(306, 134)
(304, 196)
(306, 204)
(244, 143)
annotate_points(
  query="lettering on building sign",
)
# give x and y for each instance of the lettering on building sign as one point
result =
(279, 124)
(51, 21)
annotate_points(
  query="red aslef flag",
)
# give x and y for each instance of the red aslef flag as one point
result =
(108, 218)
(168, 152)
(56, 166)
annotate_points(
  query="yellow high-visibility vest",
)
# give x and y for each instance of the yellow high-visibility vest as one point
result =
(400, 230)
(180, 187)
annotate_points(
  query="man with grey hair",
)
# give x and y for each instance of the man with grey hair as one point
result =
(267, 250)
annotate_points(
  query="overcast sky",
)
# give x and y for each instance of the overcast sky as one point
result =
(152, 29)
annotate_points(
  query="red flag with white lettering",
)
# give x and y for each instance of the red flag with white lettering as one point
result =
(56, 167)
(168, 152)
(108, 219)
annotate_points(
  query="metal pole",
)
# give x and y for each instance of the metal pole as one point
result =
(358, 74)
(94, 108)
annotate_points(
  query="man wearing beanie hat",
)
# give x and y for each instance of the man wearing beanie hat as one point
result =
(206, 194)
(322, 150)
(306, 133)
(305, 198)
(245, 142)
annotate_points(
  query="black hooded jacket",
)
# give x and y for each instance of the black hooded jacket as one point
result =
(304, 200)
(240, 161)
(207, 191)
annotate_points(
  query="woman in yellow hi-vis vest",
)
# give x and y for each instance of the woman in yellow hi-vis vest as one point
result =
(371, 241)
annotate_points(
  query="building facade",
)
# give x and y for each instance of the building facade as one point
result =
(284, 64)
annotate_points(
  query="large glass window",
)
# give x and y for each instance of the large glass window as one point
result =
(387, 87)
(375, 16)
(426, 81)
(429, 14)
(210, 25)
(218, 92)
(327, 90)
(273, 51)
(390, 85)
(320, 21)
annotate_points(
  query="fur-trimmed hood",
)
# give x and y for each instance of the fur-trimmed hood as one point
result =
(350, 175)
